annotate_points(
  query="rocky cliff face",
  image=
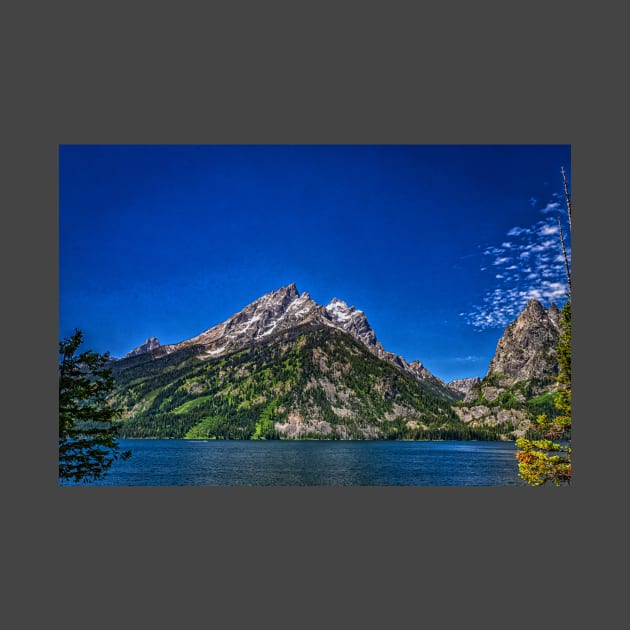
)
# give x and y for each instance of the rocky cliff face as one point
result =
(464, 385)
(527, 348)
(353, 321)
(484, 416)
(522, 368)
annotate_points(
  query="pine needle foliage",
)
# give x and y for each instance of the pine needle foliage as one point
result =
(87, 428)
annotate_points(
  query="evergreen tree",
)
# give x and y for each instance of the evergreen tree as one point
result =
(87, 433)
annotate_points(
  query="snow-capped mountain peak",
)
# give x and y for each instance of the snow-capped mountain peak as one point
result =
(351, 320)
(272, 312)
(340, 311)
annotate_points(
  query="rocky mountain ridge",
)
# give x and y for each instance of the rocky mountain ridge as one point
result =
(520, 380)
(278, 311)
(150, 344)
(287, 367)
(527, 348)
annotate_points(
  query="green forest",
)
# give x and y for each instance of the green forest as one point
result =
(312, 371)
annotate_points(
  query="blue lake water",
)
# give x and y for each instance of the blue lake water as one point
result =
(314, 463)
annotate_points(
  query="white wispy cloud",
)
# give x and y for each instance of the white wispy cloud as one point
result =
(544, 245)
(552, 206)
(547, 291)
(547, 229)
(517, 231)
(468, 358)
(533, 255)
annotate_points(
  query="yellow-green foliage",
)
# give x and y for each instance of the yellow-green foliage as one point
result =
(265, 424)
(191, 404)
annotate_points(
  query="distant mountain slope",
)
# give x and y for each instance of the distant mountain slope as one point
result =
(309, 380)
(464, 385)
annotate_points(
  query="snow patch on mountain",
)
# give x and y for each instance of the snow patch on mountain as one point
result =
(340, 311)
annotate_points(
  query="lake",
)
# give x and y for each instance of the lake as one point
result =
(314, 463)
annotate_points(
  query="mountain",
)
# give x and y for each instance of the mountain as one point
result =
(282, 310)
(284, 366)
(520, 381)
(287, 367)
(527, 348)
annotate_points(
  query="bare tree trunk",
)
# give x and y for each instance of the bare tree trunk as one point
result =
(564, 249)
(566, 259)
(566, 195)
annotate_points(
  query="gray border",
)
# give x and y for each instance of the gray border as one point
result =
(366, 76)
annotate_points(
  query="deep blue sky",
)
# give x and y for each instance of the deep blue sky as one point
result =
(441, 246)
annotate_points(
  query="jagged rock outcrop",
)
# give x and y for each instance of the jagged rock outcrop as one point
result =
(522, 368)
(150, 344)
(353, 321)
(527, 348)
